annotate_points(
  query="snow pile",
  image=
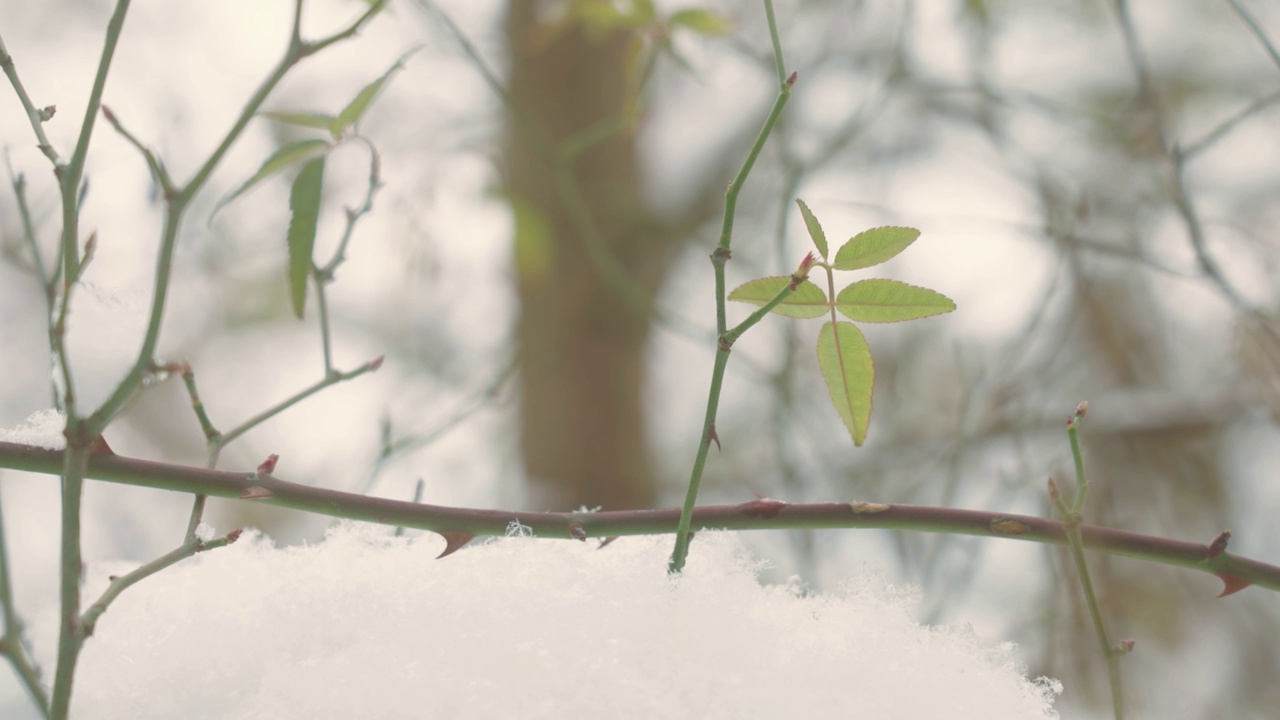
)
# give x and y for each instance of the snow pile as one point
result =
(371, 626)
(42, 428)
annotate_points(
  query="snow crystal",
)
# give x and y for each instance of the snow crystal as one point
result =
(42, 428)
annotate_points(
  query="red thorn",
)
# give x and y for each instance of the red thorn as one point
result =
(376, 363)
(1219, 545)
(453, 541)
(268, 466)
(713, 437)
(234, 535)
(1231, 584)
(791, 80)
(1124, 647)
(99, 446)
(1082, 408)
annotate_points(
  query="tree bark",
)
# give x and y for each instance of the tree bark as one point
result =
(582, 345)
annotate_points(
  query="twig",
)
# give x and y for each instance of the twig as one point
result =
(1073, 518)
(119, 584)
(782, 516)
(1257, 31)
(14, 644)
(35, 115)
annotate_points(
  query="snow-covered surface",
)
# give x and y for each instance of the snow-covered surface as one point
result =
(42, 428)
(366, 625)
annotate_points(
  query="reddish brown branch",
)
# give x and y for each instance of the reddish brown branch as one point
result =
(574, 525)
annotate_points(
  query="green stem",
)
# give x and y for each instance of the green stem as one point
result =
(776, 42)
(1072, 520)
(681, 550)
(1077, 457)
(71, 633)
(724, 341)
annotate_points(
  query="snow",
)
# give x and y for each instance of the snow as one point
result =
(368, 625)
(42, 428)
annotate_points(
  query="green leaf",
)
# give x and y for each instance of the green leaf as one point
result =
(874, 247)
(356, 109)
(850, 374)
(304, 208)
(703, 22)
(890, 301)
(815, 230)
(287, 156)
(808, 301)
(321, 121)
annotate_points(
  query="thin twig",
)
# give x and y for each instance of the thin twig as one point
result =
(1073, 518)
(14, 644)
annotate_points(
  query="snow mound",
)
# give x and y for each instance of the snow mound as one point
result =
(366, 625)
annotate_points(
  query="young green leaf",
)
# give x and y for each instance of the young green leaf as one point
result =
(815, 230)
(873, 247)
(287, 156)
(703, 22)
(356, 109)
(320, 121)
(808, 300)
(304, 209)
(847, 368)
(890, 301)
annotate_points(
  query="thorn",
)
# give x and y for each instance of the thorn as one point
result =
(375, 363)
(46, 113)
(712, 436)
(268, 466)
(234, 535)
(99, 446)
(791, 80)
(106, 112)
(1219, 545)
(1053, 492)
(1124, 647)
(453, 541)
(606, 541)
(1082, 408)
(1231, 584)
(256, 492)
(577, 532)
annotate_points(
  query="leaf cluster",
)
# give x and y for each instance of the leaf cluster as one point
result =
(843, 355)
(308, 186)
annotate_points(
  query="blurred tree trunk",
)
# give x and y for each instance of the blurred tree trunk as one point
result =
(582, 345)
